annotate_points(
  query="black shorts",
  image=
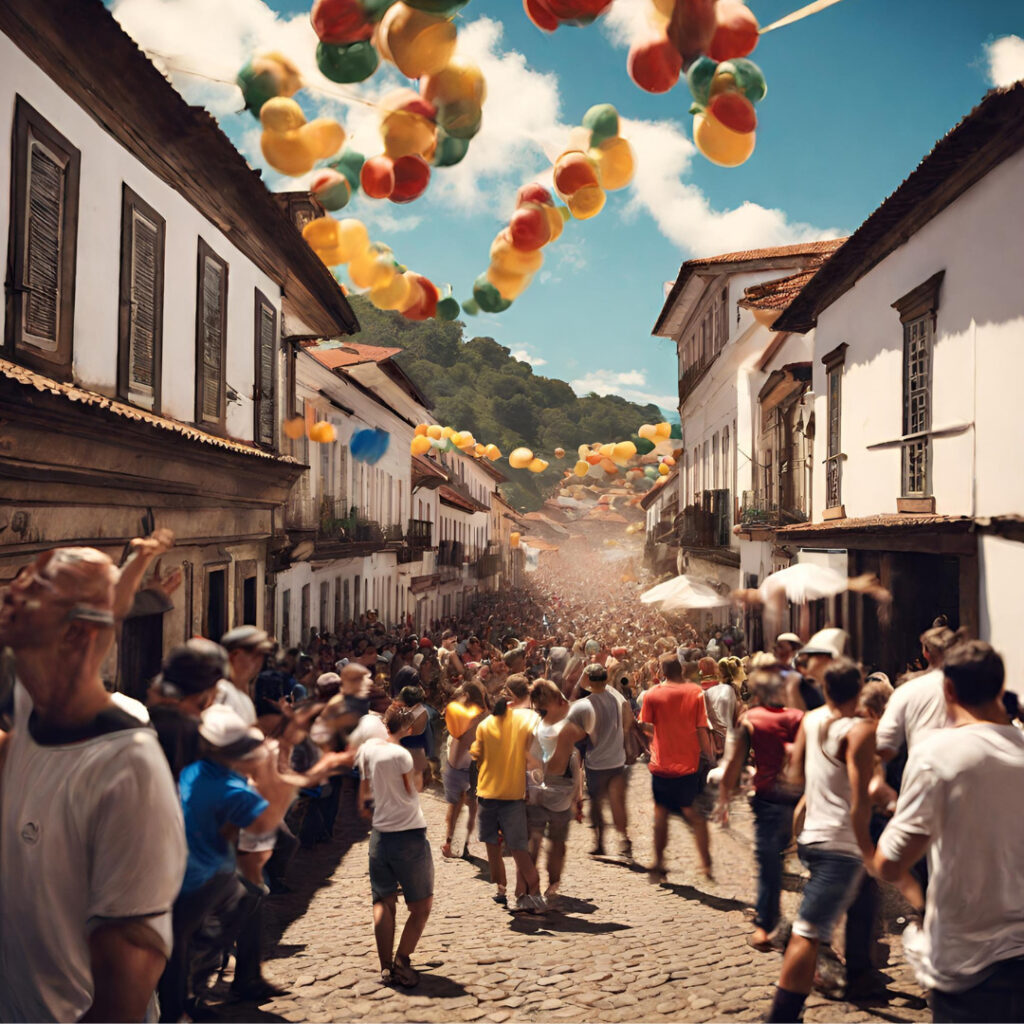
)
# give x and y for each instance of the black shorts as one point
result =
(674, 792)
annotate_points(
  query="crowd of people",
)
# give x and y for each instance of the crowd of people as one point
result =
(139, 843)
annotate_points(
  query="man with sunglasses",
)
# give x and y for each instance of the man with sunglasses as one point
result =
(91, 834)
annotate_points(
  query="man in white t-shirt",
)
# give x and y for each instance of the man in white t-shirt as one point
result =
(399, 851)
(91, 835)
(962, 802)
(247, 648)
(919, 705)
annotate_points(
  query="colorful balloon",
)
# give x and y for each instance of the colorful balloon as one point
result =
(513, 539)
(420, 445)
(520, 458)
(347, 62)
(614, 158)
(267, 76)
(734, 111)
(331, 189)
(412, 176)
(340, 21)
(417, 43)
(369, 445)
(573, 171)
(294, 428)
(736, 31)
(654, 64)
(581, 468)
(449, 151)
(529, 228)
(602, 121)
(323, 432)
(536, 465)
(719, 144)
(448, 309)
(281, 114)
(378, 177)
(587, 202)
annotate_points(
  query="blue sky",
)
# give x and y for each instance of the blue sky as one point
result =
(857, 94)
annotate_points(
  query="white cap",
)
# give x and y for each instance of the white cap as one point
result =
(225, 729)
(831, 642)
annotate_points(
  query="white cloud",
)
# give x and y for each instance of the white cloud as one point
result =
(627, 20)
(1005, 58)
(524, 356)
(630, 384)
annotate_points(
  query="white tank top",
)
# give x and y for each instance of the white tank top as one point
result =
(827, 784)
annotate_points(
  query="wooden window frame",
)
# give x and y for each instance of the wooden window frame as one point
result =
(204, 252)
(130, 202)
(834, 362)
(260, 303)
(59, 363)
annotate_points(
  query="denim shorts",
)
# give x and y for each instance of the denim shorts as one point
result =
(458, 782)
(828, 892)
(542, 821)
(507, 815)
(401, 859)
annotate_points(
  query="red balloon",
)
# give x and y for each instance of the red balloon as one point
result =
(378, 177)
(736, 31)
(412, 175)
(654, 64)
(569, 10)
(734, 110)
(573, 171)
(537, 11)
(534, 193)
(412, 102)
(427, 306)
(340, 21)
(529, 227)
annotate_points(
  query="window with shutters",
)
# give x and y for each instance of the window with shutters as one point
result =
(140, 310)
(264, 387)
(41, 248)
(211, 338)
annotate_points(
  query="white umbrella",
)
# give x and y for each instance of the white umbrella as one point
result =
(803, 582)
(682, 594)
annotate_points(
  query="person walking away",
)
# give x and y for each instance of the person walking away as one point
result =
(675, 717)
(962, 804)
(502, 751)
(766, 730)
(834, 757)
(247, 648)
(91, 837)
(462, 715)
(399, 849)
(417, 742)
(552, 804)
(601, 719)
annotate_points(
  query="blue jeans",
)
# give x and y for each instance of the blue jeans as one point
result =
(835, 878)
(773, 828)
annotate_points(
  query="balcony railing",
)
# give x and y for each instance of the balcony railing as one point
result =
(707, 525)
(451, 553)
(488, 565)
(692, 374)
(419, 534)
(756, 510)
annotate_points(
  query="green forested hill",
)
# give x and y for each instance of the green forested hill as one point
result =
(476, 385)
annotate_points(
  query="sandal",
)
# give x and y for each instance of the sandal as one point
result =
(465, 852)
(403, 973)
(656, 875)
(446, 848)
(387, 975)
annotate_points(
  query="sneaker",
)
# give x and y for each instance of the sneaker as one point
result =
(500, 897)
(538, 906)
(626, 849)
(403, 973)
(598, 850)
(552, 897)
(525, 904)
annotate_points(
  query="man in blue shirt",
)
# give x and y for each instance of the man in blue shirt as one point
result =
(218, 800)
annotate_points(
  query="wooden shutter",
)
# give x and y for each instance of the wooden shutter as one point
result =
(41, 253)
(141, 307)
(211, 329)
(266, 363)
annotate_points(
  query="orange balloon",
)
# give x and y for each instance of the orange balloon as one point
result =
(417, 43)
(460, 79)
(719, 144)
(615, 159)
(510, 286)
(288, 152)
(510, 260)
(587, 202)
(420, 445)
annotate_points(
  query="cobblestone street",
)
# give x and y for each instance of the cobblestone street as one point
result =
(619, 950)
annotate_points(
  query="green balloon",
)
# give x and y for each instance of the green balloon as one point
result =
(698, 78)
(460, 119)
(376, 9)
(644, 445)
(351, 62)
(449, 151)
(349, 164)
(470, 307)
(603, 122)
(749, 77)
(448, 309)
(257, 87)
(443, 8)
(676, 434)
(488, 298)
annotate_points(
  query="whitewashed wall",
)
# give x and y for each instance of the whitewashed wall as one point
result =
(105, 165)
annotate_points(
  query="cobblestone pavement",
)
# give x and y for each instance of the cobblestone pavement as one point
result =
(620, 950)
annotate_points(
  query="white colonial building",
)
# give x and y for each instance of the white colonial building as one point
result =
(918, 331)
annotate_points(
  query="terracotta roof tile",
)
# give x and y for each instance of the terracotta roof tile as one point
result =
(73, 393)
(450, 496)
(350, 354)
(893, 522)
(425, 467)
(778, 294)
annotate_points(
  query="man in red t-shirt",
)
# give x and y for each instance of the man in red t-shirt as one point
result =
(675, 716)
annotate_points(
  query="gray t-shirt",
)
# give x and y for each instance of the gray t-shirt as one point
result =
(600, 717)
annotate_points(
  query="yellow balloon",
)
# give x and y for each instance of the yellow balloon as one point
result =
(668, 461)
(406, 134)
(719, 144)
(321, 232)
(607, 450)
(513, 539)
(520, 458)
(586, 202)
(353, 238)
(479, 449)
(461, 79)
(375, 268)
(537, 465)
(288, 152)
(392, 295)
(332, 257)
(510, 286)
(625, 450)
(417, 43)
(325, 136)
(468, 440)
(420, 445)
(422, 430)
(493, 452)
(663, 430)
(556, 221)
(281, 114)
(664, 470)
(648, 431)
(447, 433)
(581, 468)
(615, 160)
(435, 431)
(506, 258)
(583, 451)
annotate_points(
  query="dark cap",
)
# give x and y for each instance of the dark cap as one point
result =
(192, 667)
(596, 672)
(248, 637)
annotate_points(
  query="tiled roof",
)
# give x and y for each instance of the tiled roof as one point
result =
(777, 294)
(894, 522)
(424, 467)
(651, 496)
(73, 393)
(988, 135)
(807, 250)
(450, 496)
(350, 354)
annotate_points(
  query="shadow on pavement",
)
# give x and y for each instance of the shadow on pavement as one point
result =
(572, 905)
(553, 922)
(437, 986)
(688, 892)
